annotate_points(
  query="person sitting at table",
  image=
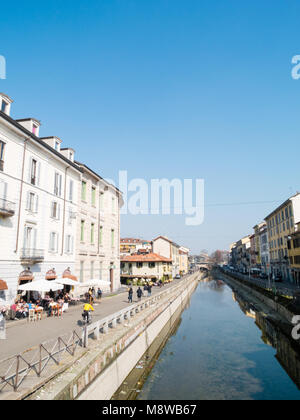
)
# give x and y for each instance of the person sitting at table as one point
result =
(21, 311)
(67, 298)
(50, 307)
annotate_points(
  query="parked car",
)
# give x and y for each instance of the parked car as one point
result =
(178, 276)
(264, 276)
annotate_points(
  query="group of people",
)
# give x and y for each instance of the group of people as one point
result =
(90, 296)
(20, 309)
(140, 293)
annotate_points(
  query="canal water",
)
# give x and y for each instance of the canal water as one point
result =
(216, 350)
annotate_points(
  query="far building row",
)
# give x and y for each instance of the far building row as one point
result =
(274, 245)
(159, 259)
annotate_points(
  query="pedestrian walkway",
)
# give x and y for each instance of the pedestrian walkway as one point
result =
(23, 335)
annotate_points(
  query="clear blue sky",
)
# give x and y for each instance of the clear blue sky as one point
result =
(167, 88)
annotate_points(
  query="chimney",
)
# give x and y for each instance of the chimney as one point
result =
(5, 103)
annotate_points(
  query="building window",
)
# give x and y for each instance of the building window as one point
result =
(92, 233)
(92, 269)
(81, 271)
(33, 172)
(69, 244)
(151, 264)
(2, 146)
(55, 210)
(53, 242)
(101, 235)
(4, 106)
(139, 264)
(71, 191)
(83, 191)
(93, 196)
(57, 184)
(32, 202)
(82, 230)
(102, 201)
(29, 238)
(112, 238)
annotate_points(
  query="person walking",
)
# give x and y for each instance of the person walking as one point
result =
(149, 289)
(139, 293)
(99, 293)
(130, 295)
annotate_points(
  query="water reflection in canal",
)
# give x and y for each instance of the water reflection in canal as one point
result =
(219, 353)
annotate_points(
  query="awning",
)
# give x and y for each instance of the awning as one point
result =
(3, 285)
(26, 275)
(51, 275)
(68, 275)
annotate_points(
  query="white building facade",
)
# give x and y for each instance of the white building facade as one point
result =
(38, 203)
(98, 230)
(169, 249)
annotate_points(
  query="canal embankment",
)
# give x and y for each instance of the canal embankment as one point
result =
(115, 345)
(285, 307)
(273, 313)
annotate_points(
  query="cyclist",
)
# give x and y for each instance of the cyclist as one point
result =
(87, 312)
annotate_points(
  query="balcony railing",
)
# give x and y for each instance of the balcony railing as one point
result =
(7, 208)
(32, 255)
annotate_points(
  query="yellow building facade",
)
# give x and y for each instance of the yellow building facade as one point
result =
(281, 225)
(294, 254)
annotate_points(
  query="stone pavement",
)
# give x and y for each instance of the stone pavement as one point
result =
(22, 335)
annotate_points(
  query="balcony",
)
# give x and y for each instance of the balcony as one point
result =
(7, 208)
(32, 256)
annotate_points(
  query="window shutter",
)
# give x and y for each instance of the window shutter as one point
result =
(58, 211)
(39, 173)
(57, 239)
(28, 201)
(36, 203)
(29, 171)
(35, 238)
(60, 181)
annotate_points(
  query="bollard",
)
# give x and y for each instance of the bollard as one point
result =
(105, 328)
(96, 332)
(114, 323)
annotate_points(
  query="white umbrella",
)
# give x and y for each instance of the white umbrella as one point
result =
(95, 283)
(41, 286)
(67, 282)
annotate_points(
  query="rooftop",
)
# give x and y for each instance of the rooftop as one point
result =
(151, 257)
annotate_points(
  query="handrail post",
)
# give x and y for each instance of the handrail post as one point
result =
(17, 374)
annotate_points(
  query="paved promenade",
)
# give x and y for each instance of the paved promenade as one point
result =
(22, 335)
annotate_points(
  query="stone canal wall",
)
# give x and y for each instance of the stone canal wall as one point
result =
(272, 304)
(110, 357)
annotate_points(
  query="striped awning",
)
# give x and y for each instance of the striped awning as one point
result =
(51, 275)
(68, 275)
(3, 285)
